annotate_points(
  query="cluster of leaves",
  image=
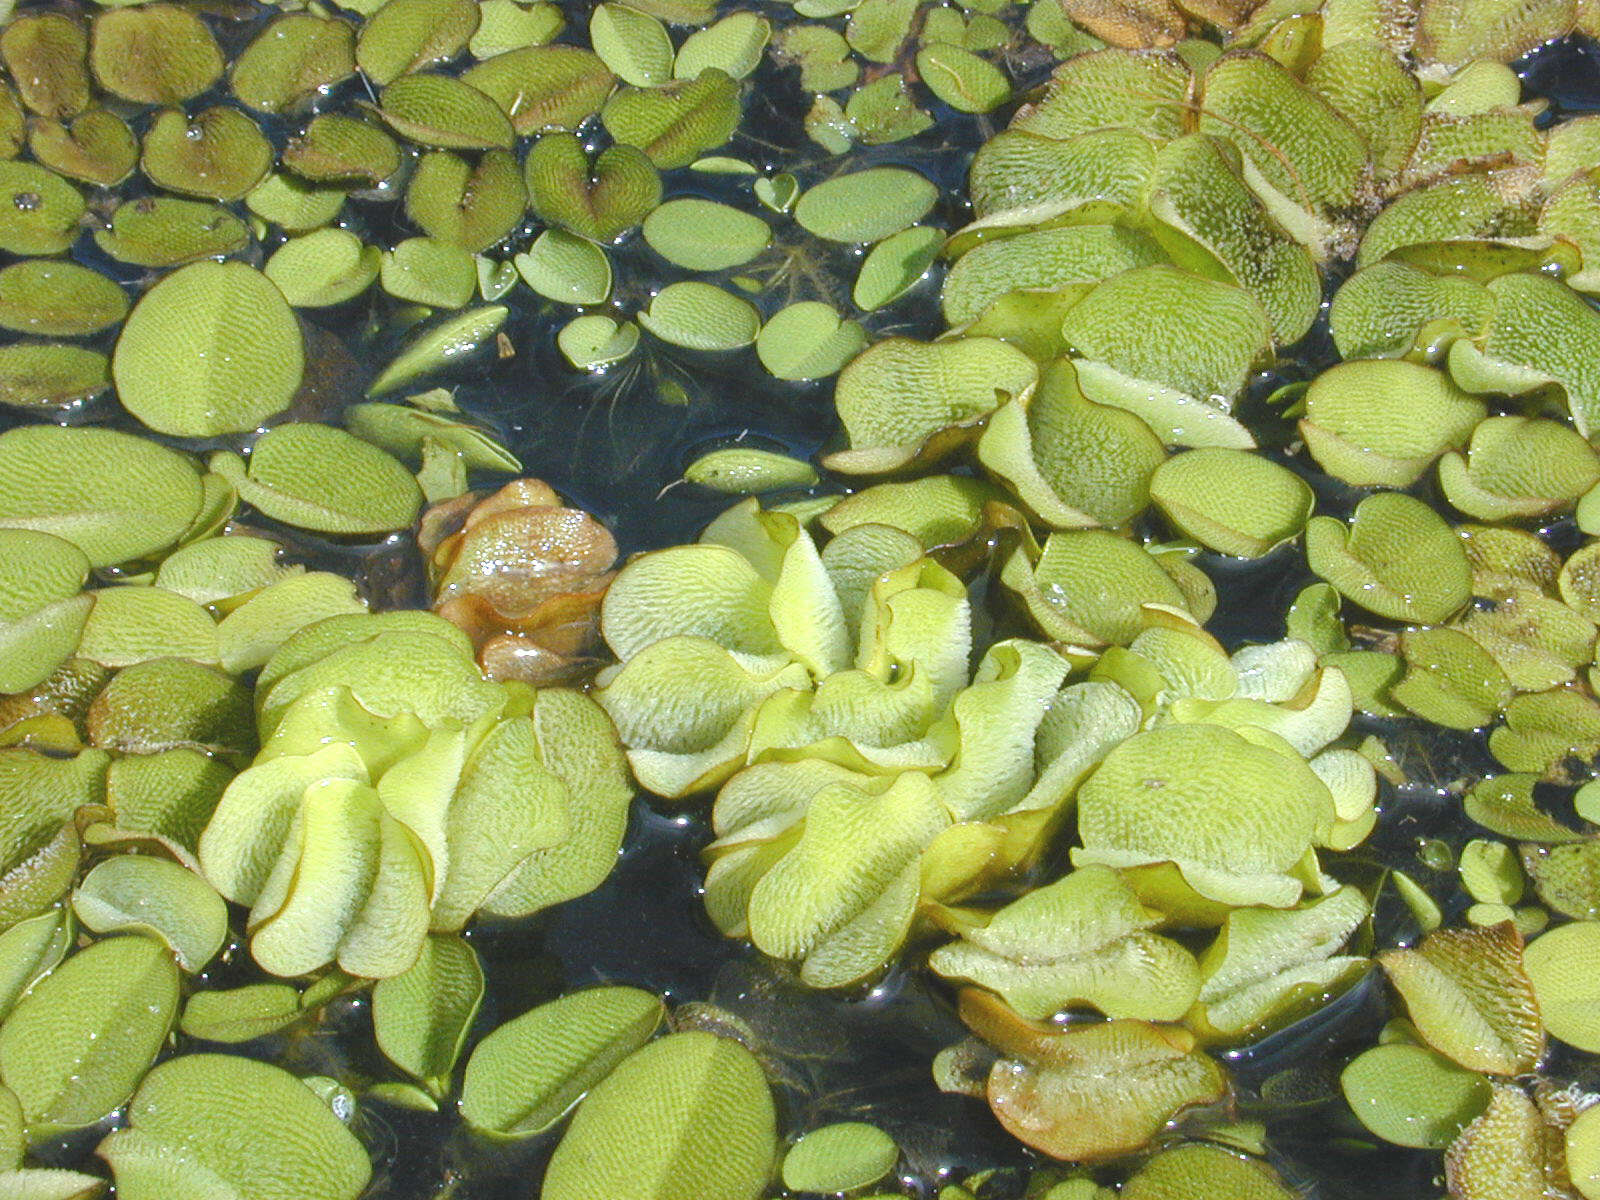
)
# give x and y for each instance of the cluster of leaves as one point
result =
(1149, 234)
(1106, 815)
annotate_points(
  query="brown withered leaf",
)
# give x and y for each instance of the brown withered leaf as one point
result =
(523, 576)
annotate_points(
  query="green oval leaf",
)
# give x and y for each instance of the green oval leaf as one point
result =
(866, 206)
(808, 340)
(207, 1124)
(317, 477)
(421, 1018)
(1411, 1096)
(528, 1073)
(688, 1116)
(839, 1158)
(76, 1045)
(130, 893)
(700, 316)
(703, 235)
(58, 299)
(115, 496)
(231, 324)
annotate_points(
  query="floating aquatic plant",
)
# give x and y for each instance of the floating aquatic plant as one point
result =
(969, 708)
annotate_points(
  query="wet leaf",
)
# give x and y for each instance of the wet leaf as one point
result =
(294, 58)
(707, 1127)
(1470, 998)
(39, 211)
(839, 1158)
(1045, 260)
(1541, 333)
(591, 342)
(58, 299)
(544, 87)
(130, 625)
(732, 45)
(1223, 330)
(154, 53)
(1269, 965)
(676, 123)
(808, 340)
(96, 147)
(115, 496)
(898, 395)
(133, 894)
(411, 35)
(240, 337)
(76, 1045)
(29, 950)
(1071, 461)
(1566, 990)
(895, 265)
(1199, 1171)
(700, 316)
(211, 1121)
(425, 271)
(1231, 501)
(163, 231)
(217, 153)
(46, 54)
(703, 235)
(1383, 422)
(322, 268)
(40, 580)
(1207, 777)
(511, 25)
(1091, 587)
(438, 346)
(441, 110)
(740, 470)
(599, 202)
(1398, 559)
(1099, 1091)
(317, 477)
(866, 206)
(335, 148)
(843, 899)
(170, 702)
(1411, 1096)
(1084, 940)
(528, 1073)
(1518, 467)
(421, 1018)
(470, 206)
(241, 1014)
(633, 44)
(403, 430)
(1583, 1153)
(961, 79)
(566, 268)
(51, 374)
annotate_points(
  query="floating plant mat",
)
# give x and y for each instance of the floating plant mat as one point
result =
(685, 600)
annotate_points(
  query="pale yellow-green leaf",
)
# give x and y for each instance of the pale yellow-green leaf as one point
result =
(132, 893)
(76, 1045)
(687, 1117)
(222, 1125)
(527, 1074)
(239, 337)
